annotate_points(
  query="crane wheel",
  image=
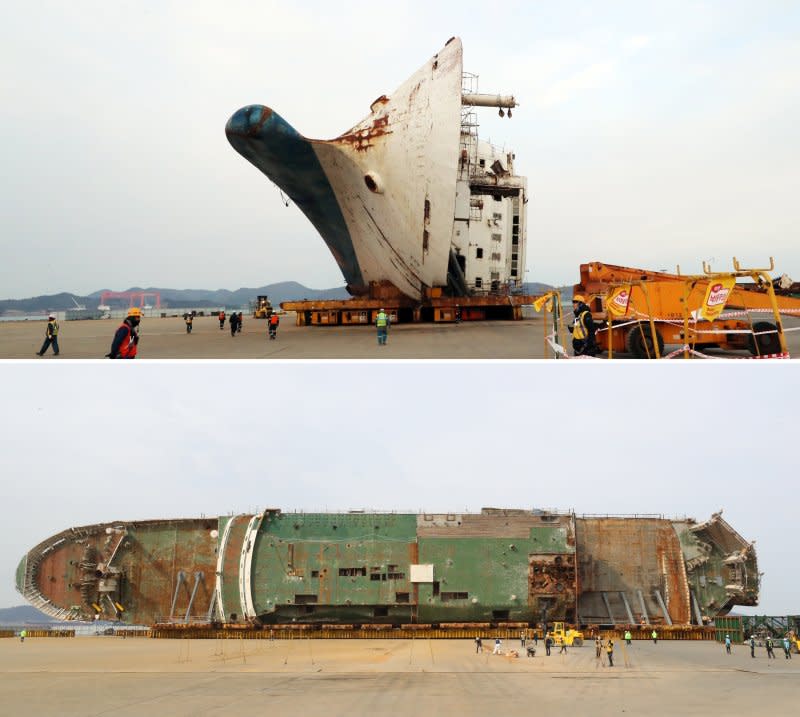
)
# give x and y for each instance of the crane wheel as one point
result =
(639, 341)
(767, 343)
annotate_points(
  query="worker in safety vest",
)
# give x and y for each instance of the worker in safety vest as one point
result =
(273, 322)
(188, 317)
(126, 340)
(50, 336)
(382, 322)
(221, 320)
(610, 652)
(582, 328)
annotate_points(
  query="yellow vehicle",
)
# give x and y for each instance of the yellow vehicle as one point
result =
(671, 298)
(569, 637)
(262, 308)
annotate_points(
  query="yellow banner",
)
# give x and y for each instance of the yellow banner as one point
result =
(617, 300)
(717, 295)
(543, 302)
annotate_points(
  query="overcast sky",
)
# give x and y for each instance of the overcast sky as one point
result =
(93, 442)
(652, 134)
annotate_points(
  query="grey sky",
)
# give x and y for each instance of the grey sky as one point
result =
(92, 442)
(652, 134)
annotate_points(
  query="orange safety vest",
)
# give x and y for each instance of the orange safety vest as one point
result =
(127, 349)
(274, 320)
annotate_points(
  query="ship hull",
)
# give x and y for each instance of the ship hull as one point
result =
(382, 194)
(496, 566)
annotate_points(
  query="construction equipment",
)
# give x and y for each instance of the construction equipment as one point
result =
(262, 308)
(566, 636)
(644, 310)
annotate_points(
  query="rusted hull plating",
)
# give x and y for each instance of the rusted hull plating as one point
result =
(499, 566)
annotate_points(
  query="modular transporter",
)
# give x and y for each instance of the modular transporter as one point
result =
(496, 566)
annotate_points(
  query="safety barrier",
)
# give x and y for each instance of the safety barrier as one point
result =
(39, 633)
(408, 632)
(663, 632)
(123, 632)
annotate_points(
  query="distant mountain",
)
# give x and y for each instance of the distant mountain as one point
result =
(203, 298)
(534, 287)
(22, 614)
(182, 298)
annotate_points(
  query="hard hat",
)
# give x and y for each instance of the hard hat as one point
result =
(135, 311)
(578, 297)
(51, 316)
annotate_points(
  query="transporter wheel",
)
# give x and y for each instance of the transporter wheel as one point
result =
(577, 642)
(639, 341)
(767, 343)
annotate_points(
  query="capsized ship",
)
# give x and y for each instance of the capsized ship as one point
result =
(496, 566)
(409, 199)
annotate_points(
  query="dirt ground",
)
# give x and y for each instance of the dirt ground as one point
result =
(135, 676)
(167, 339)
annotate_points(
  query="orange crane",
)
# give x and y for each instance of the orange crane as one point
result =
(650, 309)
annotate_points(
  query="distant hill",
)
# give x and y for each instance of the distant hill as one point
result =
(534, 287)
(188, 298)
(22, 614)
(202, 298)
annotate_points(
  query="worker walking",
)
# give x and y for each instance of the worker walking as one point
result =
(582, 329)
(239, 323)
(188, 318)
(654, 635)
(273, 321)
(628, 637)
(497, 645)
(548, 643)
(598, 647)
(770, 651)
(50, 336)
(233, 321)
(563, 646)
(728, 644)
(126, 339)
(382, 323)
(752, 645)
(221, 318)
(787, 647)
(478, 644)
(610, 652)
(522, 639)
(22, 635)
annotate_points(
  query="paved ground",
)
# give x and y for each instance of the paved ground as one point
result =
(167, 339)
(112, 676)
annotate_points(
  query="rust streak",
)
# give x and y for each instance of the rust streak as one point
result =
(255, 129)
(362, 139)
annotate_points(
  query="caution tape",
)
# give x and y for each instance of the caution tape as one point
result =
(694, 352)
(746, 312)
(784, 355)
(693, 322)
(559, 349)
